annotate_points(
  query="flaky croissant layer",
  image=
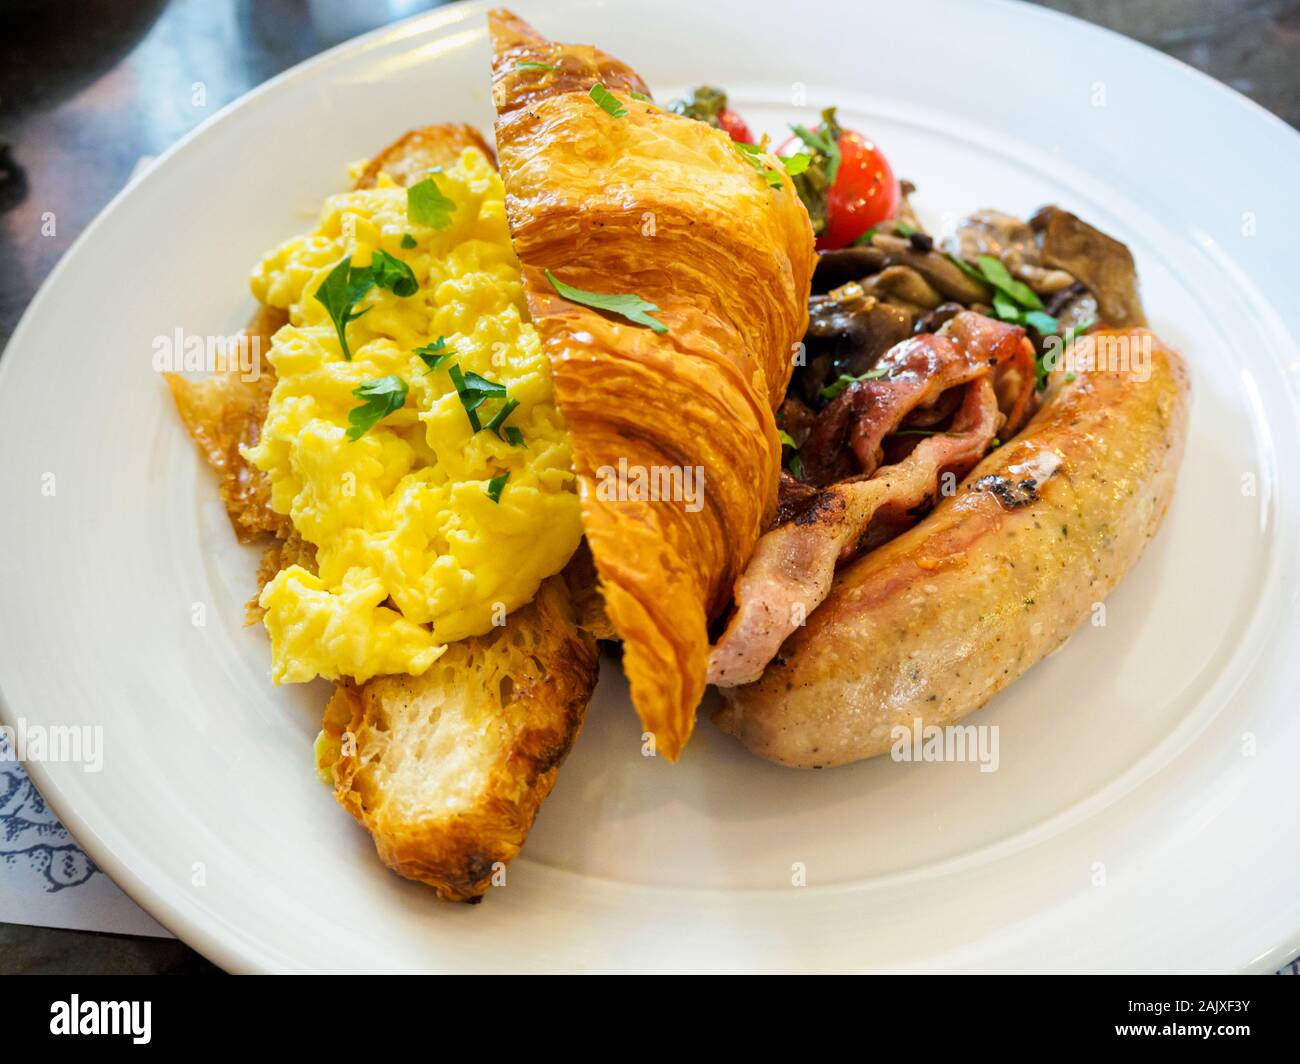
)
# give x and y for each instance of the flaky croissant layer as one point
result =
(656, 205)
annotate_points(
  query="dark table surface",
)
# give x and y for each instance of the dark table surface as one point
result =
(82, 102)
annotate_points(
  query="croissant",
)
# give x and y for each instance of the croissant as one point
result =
(623, 197)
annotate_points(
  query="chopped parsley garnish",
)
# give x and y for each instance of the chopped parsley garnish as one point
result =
(995, 273)
(814, 182)
(608, 101)
(496, 485)
(426, 205)
(530, 64)
(824, 142)
(632, 307)
(393, 274)
(346, 285)
(435, 354)
(795, 463)
(1013, 301)
(905, 229)
(705, 104)
(966, 268)
(639, 96)
(408, 241)
(1017, 303)
(831, 391)
(498, 419)
(1040, 320)
(474, 391)
(382, 397)
(865, 238)
(753, 154)
(339, 294)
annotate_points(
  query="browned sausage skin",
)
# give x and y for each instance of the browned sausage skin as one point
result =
(933, 624)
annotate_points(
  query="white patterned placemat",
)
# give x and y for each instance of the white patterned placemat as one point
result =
(45, 878)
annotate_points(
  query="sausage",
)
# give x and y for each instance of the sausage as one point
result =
(933, 624)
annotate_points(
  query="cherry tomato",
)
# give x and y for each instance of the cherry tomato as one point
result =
(734, 126)
(865, 192)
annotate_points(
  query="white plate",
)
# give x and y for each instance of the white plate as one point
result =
(1144, 814)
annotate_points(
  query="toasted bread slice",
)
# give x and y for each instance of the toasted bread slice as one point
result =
(413, 154)
(223, 411)
(447, 770)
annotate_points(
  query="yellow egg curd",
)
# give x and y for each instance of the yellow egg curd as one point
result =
(426, 529)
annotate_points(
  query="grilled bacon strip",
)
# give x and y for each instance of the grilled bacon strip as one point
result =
(985, 365)
(918, 372)
(791, 570)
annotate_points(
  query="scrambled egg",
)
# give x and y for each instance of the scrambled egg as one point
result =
(413, 550)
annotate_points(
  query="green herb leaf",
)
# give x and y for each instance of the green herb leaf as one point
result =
(865, 238)
(531, 65)
(995, 273)
(1075, 331)
(814, 184)
(795, 164)
(514, 437)
(1040, 374)
(392, 273)
(1006, 308)
(967, 268)
(426, 205)
(1042, 321)
(408, 241)
(639, 96)
(632, 307)
(435, 354)
(905, 229)
(786, 439)
(796, 466)
(340, 292)
(705, 104)
(498, 419)
(496, 485)
(754, 155)
(825, 142)
(474, 391)
(608, 101)
(833, 390)
(383, 396)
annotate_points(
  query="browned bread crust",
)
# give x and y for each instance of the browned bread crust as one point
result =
(447, 770)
